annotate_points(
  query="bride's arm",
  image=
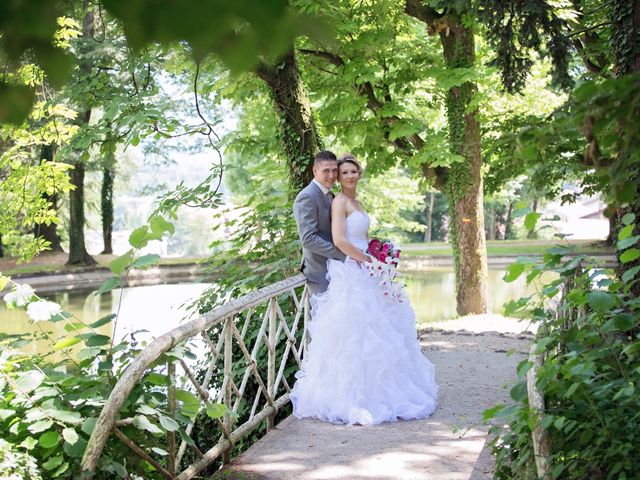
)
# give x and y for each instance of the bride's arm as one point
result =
(338, 216)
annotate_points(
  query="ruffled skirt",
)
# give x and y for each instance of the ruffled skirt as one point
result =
(364, 364)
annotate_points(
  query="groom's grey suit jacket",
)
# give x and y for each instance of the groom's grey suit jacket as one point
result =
(312, 211)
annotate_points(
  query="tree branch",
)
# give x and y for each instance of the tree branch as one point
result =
(416, 9)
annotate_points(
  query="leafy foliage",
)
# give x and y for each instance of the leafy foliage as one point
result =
(591, 344)
(516, 28)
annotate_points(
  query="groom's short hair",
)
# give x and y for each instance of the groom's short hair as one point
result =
(324, 156)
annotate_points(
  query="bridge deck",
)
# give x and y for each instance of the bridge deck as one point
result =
(452, 444)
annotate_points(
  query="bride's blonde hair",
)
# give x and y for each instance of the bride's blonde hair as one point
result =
(350, 158)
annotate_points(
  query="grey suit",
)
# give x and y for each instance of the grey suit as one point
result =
(312, 211)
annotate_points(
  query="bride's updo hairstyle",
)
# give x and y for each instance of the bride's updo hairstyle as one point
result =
(350, 158)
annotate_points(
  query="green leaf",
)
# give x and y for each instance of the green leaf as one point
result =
(216, 410)
(29, 381)
(627, 242)
(531, 219)
(157, 379)
(519, 392)
(159, 225)
(119, 265)
(6, 413)
(628, 218)
(103, 320)
(88, 425)
(67, 342)
(513, 272)
(143, 423)
(190, 403)
(64, 416)
(630, 255)
(542, 344)
(49, 439)
(168, 423)
(108, 285)
(630, 274)
(139, 237)
(521, 212)
(77, 449)
(90, 352)
(557, 470)
(160, 451)
(624, 321)
(626, 232)
(490, 413)
(53, 462)
(96, 340)
(29, 443)
(40, 426)
(146, 410)
(61, 469)
(3, 282)
(146, 261)
(600, 301)
(70, 435)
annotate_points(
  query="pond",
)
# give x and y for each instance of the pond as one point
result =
(158, 308)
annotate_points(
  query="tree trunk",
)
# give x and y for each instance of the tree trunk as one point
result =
(508, 222)
(78, 254)
(1, 247)
(491, 229)
(464, 185)
(106, 201)
(613, 219)
(532, 234)
(428, 232)
(49, 232)
(297, 125)
(626, 31)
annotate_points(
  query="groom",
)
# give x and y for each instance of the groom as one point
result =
(312, 211)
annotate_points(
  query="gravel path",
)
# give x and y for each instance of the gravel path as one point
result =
(473, 371)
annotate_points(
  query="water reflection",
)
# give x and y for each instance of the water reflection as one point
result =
(433, 296)
(153, 310)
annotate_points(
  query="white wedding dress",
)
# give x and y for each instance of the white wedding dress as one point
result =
(364, 364)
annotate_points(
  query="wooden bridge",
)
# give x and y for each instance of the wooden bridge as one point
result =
(270, 325)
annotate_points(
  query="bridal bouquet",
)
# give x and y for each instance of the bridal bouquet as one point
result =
(384, 260)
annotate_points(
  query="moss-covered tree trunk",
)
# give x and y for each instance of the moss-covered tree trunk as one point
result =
(626, 48)
(299, 133)
(78, 254)
(106, 200)
(463, 183)
(464, 186)
(49, 232)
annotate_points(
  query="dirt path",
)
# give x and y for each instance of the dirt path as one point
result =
(472, 371)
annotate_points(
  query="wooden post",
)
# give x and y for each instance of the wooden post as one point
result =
(228, 372)
(171, 405)
(271, 356)
(540, 436)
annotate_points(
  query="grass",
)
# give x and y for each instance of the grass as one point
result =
(496, 248)
(48, 263)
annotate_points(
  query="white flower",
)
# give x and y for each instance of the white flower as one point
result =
(43, 310)
(20, 296)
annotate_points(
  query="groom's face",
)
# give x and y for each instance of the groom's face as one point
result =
(326, 172)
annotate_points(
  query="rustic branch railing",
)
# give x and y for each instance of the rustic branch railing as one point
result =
(224, 331)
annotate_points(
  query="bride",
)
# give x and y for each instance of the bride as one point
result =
(364, 364)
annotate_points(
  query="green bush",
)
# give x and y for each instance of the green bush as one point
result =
(590, 376)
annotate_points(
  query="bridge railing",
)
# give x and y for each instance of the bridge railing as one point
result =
(237, 336)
